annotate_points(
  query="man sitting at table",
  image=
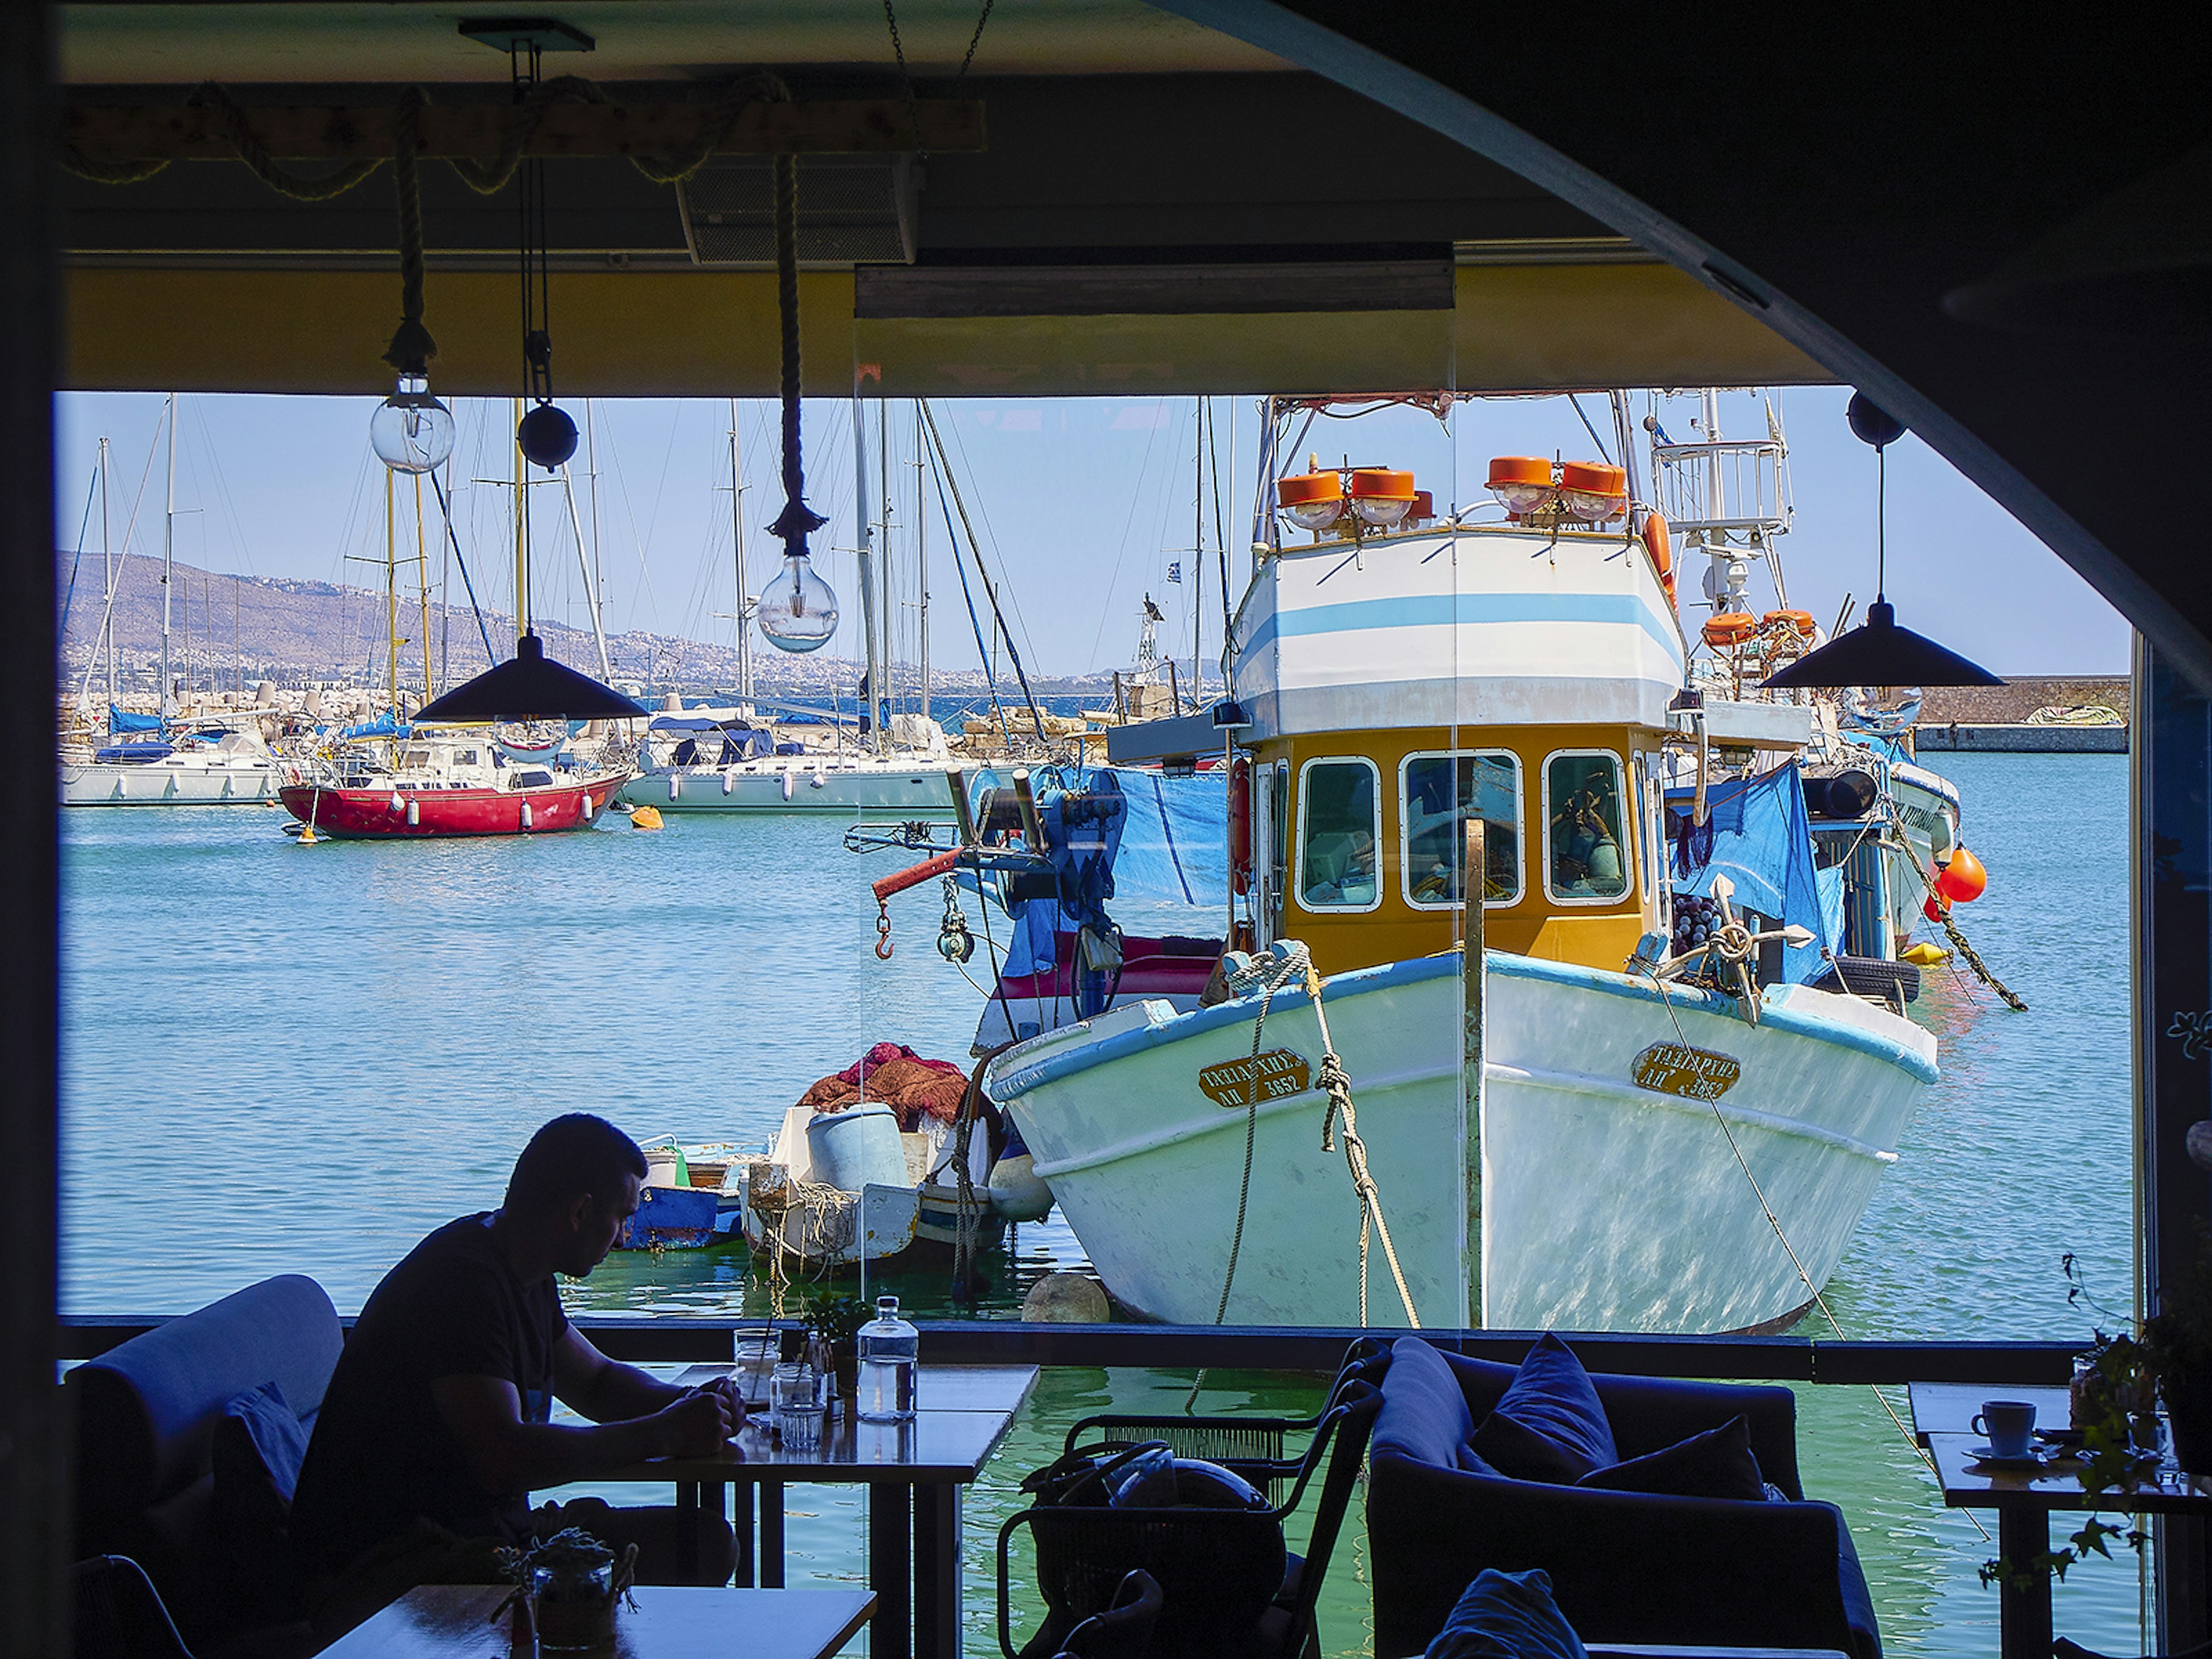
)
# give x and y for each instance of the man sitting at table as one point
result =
(436, 1428)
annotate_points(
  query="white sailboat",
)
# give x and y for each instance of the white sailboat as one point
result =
(1627, 1151)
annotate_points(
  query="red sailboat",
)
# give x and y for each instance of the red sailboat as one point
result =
(458, 785)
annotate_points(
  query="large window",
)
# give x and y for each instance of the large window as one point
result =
(1338, 832)
(1586, 858)
(1441, 794)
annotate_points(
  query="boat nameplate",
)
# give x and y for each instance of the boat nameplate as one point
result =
(1677, 1068)
(1279, 1073)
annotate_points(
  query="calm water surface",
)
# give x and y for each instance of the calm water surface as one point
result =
(289, 1059)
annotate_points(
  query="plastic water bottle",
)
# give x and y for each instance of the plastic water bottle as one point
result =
(891, 1354)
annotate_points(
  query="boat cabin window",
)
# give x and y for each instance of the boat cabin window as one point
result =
(1339, 829)
(465, 757)
(415, 759)
(1584, 859)
(1441, 794)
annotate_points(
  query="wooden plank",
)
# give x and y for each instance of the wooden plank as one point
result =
(148, 132)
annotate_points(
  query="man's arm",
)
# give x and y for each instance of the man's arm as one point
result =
(604, 1389)
(507, 1455)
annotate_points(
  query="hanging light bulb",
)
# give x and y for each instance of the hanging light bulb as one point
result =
(412, 431)
(799, 612)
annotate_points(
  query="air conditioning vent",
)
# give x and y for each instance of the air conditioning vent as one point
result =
(852, 209)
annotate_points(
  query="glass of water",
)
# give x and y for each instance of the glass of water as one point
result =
(795, 1397)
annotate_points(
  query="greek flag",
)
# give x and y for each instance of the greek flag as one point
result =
(1175, 572)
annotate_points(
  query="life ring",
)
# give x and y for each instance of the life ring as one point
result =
(1240, 825)
(1661, 546)
(1730, 627)
(1799, 622)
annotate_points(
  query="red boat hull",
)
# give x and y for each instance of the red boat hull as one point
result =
(369, 814)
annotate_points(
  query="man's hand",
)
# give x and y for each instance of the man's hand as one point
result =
(700, 1423)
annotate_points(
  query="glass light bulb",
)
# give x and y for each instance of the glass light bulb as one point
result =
(799, 611)
(412, 431)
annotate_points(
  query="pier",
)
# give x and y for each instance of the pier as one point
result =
(1274, 196)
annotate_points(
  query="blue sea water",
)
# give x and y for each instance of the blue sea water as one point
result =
(279, 1058)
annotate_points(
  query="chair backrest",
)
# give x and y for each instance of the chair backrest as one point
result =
(1358, 1397)
(1124, 1631)
(119, 1615)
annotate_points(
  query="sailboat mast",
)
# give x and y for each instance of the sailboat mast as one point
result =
(890, 613)
(522, 540)
(1197, 545)
(865, 551)
(422, 587)
(591, 470)
(168, 531)
(390, 599)
(591, 590)
(921, 559)
(107, 566)
(738, 558)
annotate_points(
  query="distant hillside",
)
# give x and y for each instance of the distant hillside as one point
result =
(234, 630)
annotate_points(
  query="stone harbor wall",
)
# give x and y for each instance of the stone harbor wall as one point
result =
(2011, 703)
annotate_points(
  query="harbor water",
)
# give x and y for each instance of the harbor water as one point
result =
(289, 1059)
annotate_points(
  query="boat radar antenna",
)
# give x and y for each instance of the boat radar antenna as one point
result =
(1728, 498)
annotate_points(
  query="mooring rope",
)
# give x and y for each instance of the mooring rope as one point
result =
(1944, 917)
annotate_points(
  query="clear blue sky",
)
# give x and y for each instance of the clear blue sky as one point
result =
(1080, 506)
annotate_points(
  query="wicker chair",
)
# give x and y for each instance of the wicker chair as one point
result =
(119, 1613)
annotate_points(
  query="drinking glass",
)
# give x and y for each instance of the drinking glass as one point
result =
(796, 1399)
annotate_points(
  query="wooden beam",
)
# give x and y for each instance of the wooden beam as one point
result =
(113, 133)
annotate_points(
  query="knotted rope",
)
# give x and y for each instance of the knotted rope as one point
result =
(723, 115)
(1337, 1084)
(1944, 917)
(526, 117)
(797, 519)
(239, 131)
(411, 349)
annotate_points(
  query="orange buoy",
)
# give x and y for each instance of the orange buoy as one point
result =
(1961, 878)
(1523, 482)
(1800, 622)
(1240, 824)
(1936, 909)
(1661, 546)
(1730, 627)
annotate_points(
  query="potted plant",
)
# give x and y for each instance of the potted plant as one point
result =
(2178, 1339)
(836, 1320)
(568, 1587)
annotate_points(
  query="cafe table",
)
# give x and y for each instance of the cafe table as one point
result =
(455, 1621)
(2024, 1501)
(915, 1473)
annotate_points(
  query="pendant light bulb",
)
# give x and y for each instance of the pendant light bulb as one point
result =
(412, 431)
(799, 612)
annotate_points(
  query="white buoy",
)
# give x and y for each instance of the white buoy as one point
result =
(588, 803)
(786, 783)
(675, 785)
(819, 780)
(525, 815)
(414, 813)
(729, 781)
(399, 801)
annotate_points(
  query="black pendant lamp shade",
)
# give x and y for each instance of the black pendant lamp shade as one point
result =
(531, 687)
(1879, 651)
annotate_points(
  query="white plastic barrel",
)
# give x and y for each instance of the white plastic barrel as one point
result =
(860, 1145)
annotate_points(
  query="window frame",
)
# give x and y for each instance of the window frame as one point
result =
(1443, 906)
(1628, 894)
(1301, 833)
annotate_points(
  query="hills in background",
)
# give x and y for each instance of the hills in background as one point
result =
(227, 632)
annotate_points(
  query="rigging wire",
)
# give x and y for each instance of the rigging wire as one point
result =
(1013, 654)
(974, 623)
(446, 512)
(1604, 454)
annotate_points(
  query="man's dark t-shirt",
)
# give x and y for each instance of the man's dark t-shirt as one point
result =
(381, 1455)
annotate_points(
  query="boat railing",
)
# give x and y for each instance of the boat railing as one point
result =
(1731, 488)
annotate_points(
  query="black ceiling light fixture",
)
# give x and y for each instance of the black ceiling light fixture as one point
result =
(532, 686)
(1880, 653)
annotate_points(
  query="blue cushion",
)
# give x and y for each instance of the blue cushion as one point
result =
(259, 1445)
(1548, 1425)
(1424, 1414)
(1507, 1615)
(1717, 1463)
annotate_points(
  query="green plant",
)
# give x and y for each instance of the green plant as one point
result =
(2123, 1373)
(837, 1319)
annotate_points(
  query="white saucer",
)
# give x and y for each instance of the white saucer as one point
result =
(1989, 1459)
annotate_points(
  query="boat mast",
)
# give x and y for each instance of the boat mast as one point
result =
(737, 557)
(168, 531)
(421, 589)
(591, 591)
(865, 551)
(521, 539)
(922, 561)
(1197, 546)
(107, 566)
(390, 599)
(889, 615)
(591, 470)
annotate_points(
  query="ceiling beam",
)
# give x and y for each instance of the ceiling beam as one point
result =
(111, 134)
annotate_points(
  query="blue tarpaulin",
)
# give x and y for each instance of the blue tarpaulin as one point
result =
(120, 720)
(1757, 835)
(384, 726)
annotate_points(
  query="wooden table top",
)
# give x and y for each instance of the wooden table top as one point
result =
(452, 1621)
(942, 1444)
(1950, 1408)
(1967, 1485)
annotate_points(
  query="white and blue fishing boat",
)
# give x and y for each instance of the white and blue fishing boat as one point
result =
(1648, 1126)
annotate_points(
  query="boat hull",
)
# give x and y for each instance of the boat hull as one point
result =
(371, 815)
(796, 787)
(166, 783)
(1598, 1204)
(671, 1219)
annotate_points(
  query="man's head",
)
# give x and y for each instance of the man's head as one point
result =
(574, 1186)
